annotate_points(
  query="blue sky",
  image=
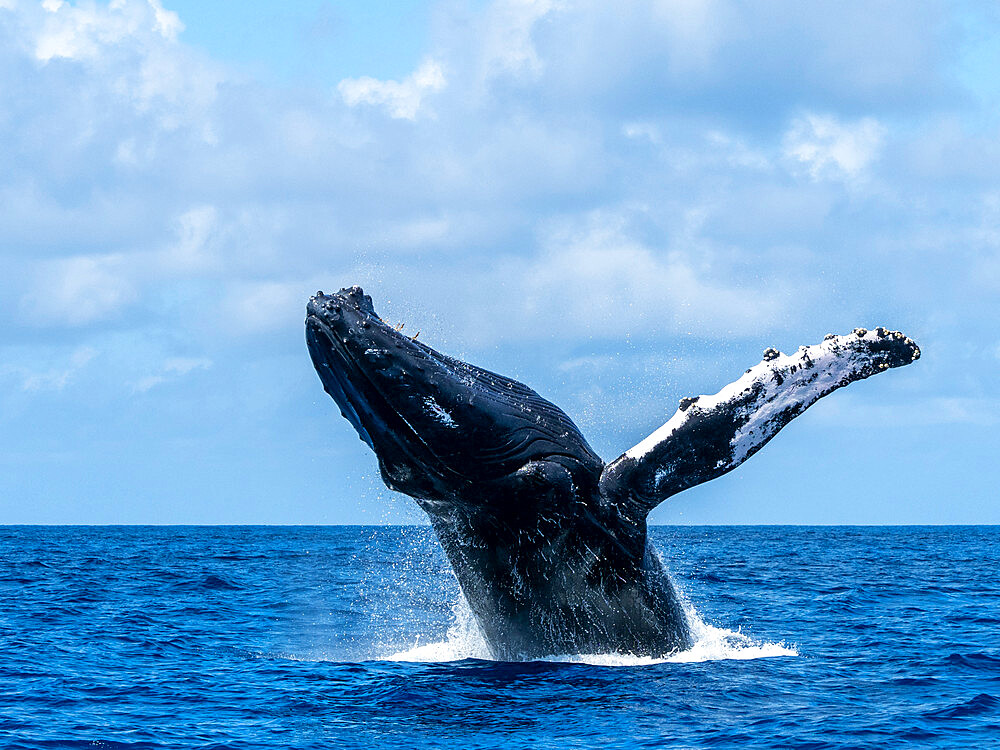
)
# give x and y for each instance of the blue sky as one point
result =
(618, 204)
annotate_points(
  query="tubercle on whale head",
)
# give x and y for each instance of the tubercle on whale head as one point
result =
(333, 307)
(443, 430)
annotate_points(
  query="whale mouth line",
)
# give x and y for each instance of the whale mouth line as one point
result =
(343, 390)
(369, 400)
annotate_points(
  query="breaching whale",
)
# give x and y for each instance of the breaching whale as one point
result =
(548, 543)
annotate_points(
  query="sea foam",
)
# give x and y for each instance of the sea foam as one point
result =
(465, 640)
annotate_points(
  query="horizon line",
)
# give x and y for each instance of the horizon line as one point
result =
(427, 525)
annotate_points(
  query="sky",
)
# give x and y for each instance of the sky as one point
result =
(618, 204)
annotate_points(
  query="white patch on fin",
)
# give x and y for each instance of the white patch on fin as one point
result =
(784, 381)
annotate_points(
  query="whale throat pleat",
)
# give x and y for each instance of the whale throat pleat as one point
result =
(543, 416)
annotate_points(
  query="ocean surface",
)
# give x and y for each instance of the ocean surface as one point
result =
(344, 637)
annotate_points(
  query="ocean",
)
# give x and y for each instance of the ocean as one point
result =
(344, 637)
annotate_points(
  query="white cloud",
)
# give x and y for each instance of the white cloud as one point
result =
(590, 278)
(77, 33)
(168, 23)
(55, 378)
(256, 307)
(401, 99)
(184, 365)
(507, 45)
(642, 131)
(232, 194)
(81, 32)
(132, 55)
(171, 369)
(600, 281)
(196, 229)
(830, 148)
(724, 57)
(79, 290)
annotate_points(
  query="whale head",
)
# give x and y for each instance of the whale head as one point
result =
(442, 429)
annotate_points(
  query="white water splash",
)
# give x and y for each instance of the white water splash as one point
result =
(465, 641)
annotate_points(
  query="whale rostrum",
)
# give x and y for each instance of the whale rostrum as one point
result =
(548, 543)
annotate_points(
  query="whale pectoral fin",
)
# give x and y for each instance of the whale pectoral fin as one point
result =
(711, 435)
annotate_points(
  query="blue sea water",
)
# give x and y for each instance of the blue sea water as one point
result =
(343, 637)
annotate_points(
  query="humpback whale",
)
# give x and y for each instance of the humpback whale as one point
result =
(548, 542)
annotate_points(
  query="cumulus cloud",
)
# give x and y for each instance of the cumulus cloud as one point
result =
(827, 147)
(79, 32)
(507, 45)
(78, 291)
(82, 32)
(599, 280)
(168, 23)
(122, 60)
(401, 99)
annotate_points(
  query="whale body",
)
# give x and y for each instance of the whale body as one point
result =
(548, 542)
